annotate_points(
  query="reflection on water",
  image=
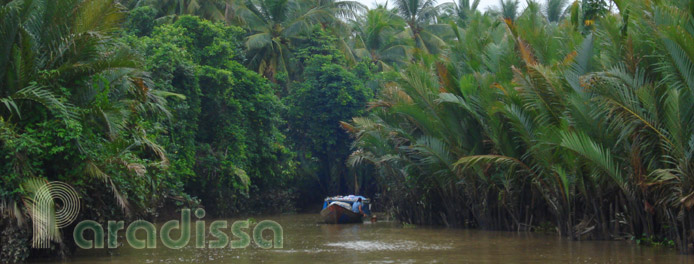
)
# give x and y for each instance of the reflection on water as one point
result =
(307, 241)
(403, 245)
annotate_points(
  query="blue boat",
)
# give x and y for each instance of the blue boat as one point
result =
(338, 209)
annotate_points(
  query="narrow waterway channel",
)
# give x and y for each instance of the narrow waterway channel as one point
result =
(306, 240)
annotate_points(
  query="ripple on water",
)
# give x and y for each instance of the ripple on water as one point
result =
(309, 251)
(362, 245)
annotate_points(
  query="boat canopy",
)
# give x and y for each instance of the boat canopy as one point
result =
(348, 198)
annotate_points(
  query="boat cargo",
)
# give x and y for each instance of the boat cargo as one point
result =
(338, 209)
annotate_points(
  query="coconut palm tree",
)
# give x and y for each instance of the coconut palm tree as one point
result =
(462, 9)
(339, 9)
(421, 19)
(508, 9)
(379, 38)
(210, 9)
(275, 25)
(554, 10)
(338, 13)
(272, 25)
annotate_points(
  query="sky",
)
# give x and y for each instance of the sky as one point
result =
(484, 4)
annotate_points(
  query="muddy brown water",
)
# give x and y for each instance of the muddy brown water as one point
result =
(306, 240)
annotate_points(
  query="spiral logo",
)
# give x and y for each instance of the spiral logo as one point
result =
(54, 205)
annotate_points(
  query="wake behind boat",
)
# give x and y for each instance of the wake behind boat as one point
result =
(341, 209)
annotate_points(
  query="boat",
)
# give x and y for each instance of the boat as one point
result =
(338, 209)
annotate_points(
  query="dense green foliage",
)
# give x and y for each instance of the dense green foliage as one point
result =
(326, 94)
(85, 102)
(584, 123)
(224, 136)
(76, 107)
(576, 115)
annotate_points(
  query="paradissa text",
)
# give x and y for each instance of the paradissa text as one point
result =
(216, 230)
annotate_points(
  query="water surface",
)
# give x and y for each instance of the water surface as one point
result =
(306, 240)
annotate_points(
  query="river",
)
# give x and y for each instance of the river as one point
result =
(306, 240)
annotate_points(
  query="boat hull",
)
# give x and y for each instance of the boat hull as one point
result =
(335, 214)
